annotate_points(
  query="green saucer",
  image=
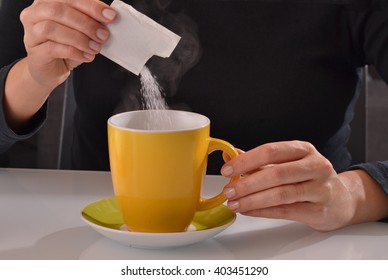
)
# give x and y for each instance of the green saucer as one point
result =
(106, 213)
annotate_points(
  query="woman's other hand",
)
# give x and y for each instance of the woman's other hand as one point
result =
(292, 180)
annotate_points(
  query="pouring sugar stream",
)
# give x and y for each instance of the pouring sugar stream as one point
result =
(134, 39)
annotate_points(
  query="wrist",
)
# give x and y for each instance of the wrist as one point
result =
(23, 95)
(370, 202)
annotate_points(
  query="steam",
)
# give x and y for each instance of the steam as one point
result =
(188, 51)
(167, 71)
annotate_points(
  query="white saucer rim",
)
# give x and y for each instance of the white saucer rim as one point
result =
(157, 240)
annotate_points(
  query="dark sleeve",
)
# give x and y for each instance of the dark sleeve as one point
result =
(371, 37)
(377, 170)
(7, 136)
(11, 50)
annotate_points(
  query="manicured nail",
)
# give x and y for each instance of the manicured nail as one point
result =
(227, 170)
(95, 46)
(102, 34)
(109, 14)
(233, 205)
(230, 193)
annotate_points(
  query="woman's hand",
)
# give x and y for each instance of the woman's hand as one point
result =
(61, 34)
(291, 180)
(58, 36)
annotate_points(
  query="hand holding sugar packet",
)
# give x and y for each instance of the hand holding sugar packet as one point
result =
(135, 38)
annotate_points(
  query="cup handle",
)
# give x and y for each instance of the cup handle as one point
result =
(218, 145)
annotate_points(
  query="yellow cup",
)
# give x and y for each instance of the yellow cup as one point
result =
(158, 161)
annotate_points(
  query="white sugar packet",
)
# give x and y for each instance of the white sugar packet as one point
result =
(135, 38)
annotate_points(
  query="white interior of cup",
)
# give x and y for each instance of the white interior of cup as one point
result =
(158, 120)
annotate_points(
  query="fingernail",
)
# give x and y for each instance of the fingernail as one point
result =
(95, 46)
(230, 192)
(102, 34)
(227, 170)
(89, 56)
(109, 14)
(233, 205)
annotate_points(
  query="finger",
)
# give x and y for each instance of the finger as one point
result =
(267, 154)
(281, 195)
(314, 215)
(51, 31)
(292, 212)
(55, 12)
(42, 67)
(312, 168)
(226, 157)
(54, 50)
(95, 9)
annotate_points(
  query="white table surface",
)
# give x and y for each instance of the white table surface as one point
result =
(40, 219)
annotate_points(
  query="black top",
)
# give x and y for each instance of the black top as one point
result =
(266, 71)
